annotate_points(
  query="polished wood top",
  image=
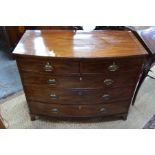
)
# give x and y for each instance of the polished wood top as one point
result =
(79, 44)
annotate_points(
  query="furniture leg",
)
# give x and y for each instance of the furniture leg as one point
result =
(33, 117)
(124, 117)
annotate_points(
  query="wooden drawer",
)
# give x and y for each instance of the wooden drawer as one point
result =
(48, 66)
(79, 110)
(83, 81)
(77, 96)
(111, 65)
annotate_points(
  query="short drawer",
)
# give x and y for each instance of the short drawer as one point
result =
(111, 65)
(84, 81)
(78, 110)
(77, 96)
(48, 66)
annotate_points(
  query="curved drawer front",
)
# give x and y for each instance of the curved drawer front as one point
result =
(79, 110)
(49, 66)
(77, 96)
(84, 81)
(112, 65)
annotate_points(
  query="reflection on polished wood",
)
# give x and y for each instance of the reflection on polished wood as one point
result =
(79, 44)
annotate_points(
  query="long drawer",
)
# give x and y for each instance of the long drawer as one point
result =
(83, 81)
(78, 110)
(77, 96)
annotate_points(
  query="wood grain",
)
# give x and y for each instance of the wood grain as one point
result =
(77, 96)
(79, 111)
(79, 44)
(127, 78)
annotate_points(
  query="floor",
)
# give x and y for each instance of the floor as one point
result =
(10, 82)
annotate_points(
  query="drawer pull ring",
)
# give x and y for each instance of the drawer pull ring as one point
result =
(108, 82)
(102, 110)
(54, 96)
(113, 67)
(106, 97)
(55, 110)
(52, 82)
(48, 67)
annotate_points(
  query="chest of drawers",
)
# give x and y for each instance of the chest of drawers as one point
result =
(78, 74)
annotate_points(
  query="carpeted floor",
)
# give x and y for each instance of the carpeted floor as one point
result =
(15, 112)
(151, 123)
(10, 82)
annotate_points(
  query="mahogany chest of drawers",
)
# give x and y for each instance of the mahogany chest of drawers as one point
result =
(79, 74)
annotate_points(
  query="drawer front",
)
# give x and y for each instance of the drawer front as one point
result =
(78, 110)
(48, 66)
(102, 81)
(106, 66)
(77, 96)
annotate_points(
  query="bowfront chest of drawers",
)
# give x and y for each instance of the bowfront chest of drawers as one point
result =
(78, 74)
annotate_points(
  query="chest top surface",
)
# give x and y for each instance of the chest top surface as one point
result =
(79, 44)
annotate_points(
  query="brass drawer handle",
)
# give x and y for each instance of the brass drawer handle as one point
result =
(108, 82)
(53, 96)
(106, 97)
(48, 67)
(113, 67)
(102, 109)
(54, 110)
(80, 79)
(52, 82)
